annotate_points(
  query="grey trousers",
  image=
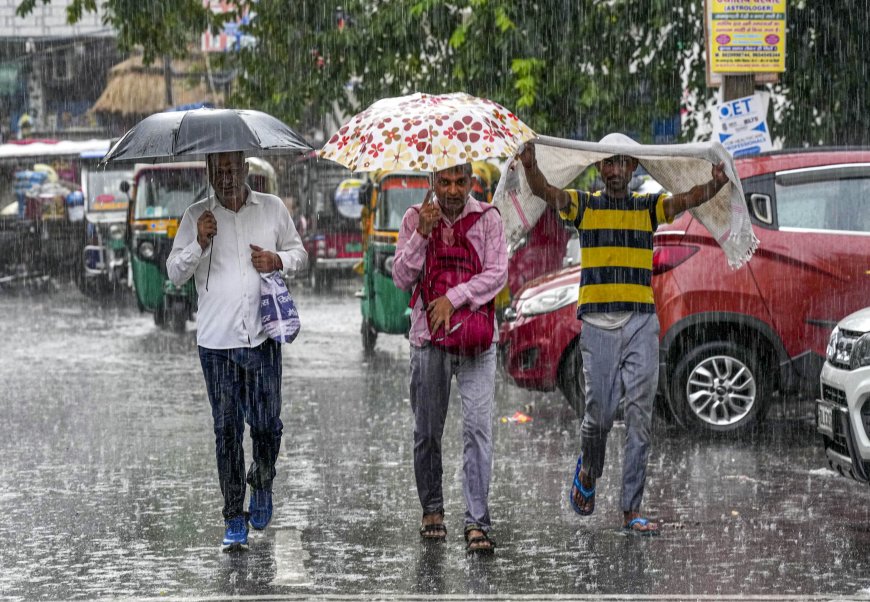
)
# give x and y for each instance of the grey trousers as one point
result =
(620, 364)
(432, 371)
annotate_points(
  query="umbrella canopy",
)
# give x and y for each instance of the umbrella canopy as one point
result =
(422, 132)
(196, 133)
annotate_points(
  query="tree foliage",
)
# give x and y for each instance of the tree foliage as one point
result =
(578, 68)
(825, 85)
(568, 67)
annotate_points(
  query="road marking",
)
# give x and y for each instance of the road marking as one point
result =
(862, 596)
(290, 558)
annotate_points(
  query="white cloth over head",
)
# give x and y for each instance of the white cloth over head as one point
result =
(677, 167)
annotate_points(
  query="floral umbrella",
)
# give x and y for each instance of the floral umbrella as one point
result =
(422, 132)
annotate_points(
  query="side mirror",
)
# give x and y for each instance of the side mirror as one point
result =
(365, 194)
(125, 187)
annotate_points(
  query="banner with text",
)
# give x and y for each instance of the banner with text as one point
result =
(746, 36)
(741, 125)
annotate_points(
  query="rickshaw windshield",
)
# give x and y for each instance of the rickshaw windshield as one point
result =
(167, 193)
(104, 190)
(395, 197)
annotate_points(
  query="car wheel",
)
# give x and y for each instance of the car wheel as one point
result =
(718, 387)
(572, 382)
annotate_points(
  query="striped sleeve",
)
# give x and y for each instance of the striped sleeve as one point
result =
(660, 217)
(573, 213)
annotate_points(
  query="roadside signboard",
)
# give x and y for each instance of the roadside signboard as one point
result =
(741, 125)
(745, 36)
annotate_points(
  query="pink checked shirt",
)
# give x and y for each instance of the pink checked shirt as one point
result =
(487, 238)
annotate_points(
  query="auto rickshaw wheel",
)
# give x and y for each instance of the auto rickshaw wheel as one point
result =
(369, 336)
(160, 315)
(320, 281)
(176, 314)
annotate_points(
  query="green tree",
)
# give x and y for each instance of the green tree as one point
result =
(825, 83)
(568, 67)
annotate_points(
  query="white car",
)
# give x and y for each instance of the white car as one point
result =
(843, 412)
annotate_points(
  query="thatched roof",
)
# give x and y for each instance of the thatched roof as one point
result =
(135, 90)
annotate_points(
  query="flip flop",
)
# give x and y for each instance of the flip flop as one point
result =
(588, 495)
(642, 522)
(472, 544)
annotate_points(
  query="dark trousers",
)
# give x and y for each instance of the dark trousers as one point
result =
(244, 385)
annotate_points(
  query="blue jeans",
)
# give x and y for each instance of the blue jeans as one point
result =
(244, 384)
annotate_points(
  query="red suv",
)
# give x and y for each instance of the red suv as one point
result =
(730, 339)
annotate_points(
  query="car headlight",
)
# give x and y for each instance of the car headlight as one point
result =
(831, 350)
(550, 300)
(861, 352)
(388, 265)
(116, 231)
(146, 250)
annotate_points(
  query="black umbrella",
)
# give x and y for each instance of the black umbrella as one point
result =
(194, 134)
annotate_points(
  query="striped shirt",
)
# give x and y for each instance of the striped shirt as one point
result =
(616, 249)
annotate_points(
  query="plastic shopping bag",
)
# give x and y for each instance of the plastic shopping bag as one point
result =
(278, 312)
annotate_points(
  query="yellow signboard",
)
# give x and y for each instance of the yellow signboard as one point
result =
(746, 36)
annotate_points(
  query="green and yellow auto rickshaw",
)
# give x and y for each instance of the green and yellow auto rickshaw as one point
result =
(160, 194)
(385, 307)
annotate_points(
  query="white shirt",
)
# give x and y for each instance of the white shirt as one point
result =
(228, 316)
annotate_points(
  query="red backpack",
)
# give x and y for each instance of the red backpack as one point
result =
(450, 260)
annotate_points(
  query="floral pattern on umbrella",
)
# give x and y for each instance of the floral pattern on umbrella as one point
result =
(423, 132)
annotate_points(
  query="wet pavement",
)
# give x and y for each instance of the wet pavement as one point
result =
(110, 487)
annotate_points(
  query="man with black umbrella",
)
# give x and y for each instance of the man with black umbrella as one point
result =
(224, 242)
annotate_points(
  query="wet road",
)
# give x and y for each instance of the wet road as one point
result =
(110, 487)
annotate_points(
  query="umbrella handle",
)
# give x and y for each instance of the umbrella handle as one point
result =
(208, 273)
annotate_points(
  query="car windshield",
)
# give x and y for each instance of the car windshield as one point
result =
(396, 195)
(103, 188)
(167, 193)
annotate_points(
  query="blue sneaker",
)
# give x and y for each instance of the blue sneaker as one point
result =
(260, 508)
(236, 535)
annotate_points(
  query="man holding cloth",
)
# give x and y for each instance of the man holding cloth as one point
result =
(620, 335)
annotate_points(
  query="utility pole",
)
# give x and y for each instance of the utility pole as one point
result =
(737, 86)
(167, 79)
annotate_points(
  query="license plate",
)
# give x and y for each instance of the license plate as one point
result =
(824, 419)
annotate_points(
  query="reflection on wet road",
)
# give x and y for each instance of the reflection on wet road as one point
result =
(111, 490)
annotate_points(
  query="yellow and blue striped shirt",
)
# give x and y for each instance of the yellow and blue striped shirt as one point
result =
(616, 249)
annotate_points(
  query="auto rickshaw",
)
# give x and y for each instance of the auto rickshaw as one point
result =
(104, 263)
(335, 245)
(385, 307)
(160, 195)
(484, 180)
